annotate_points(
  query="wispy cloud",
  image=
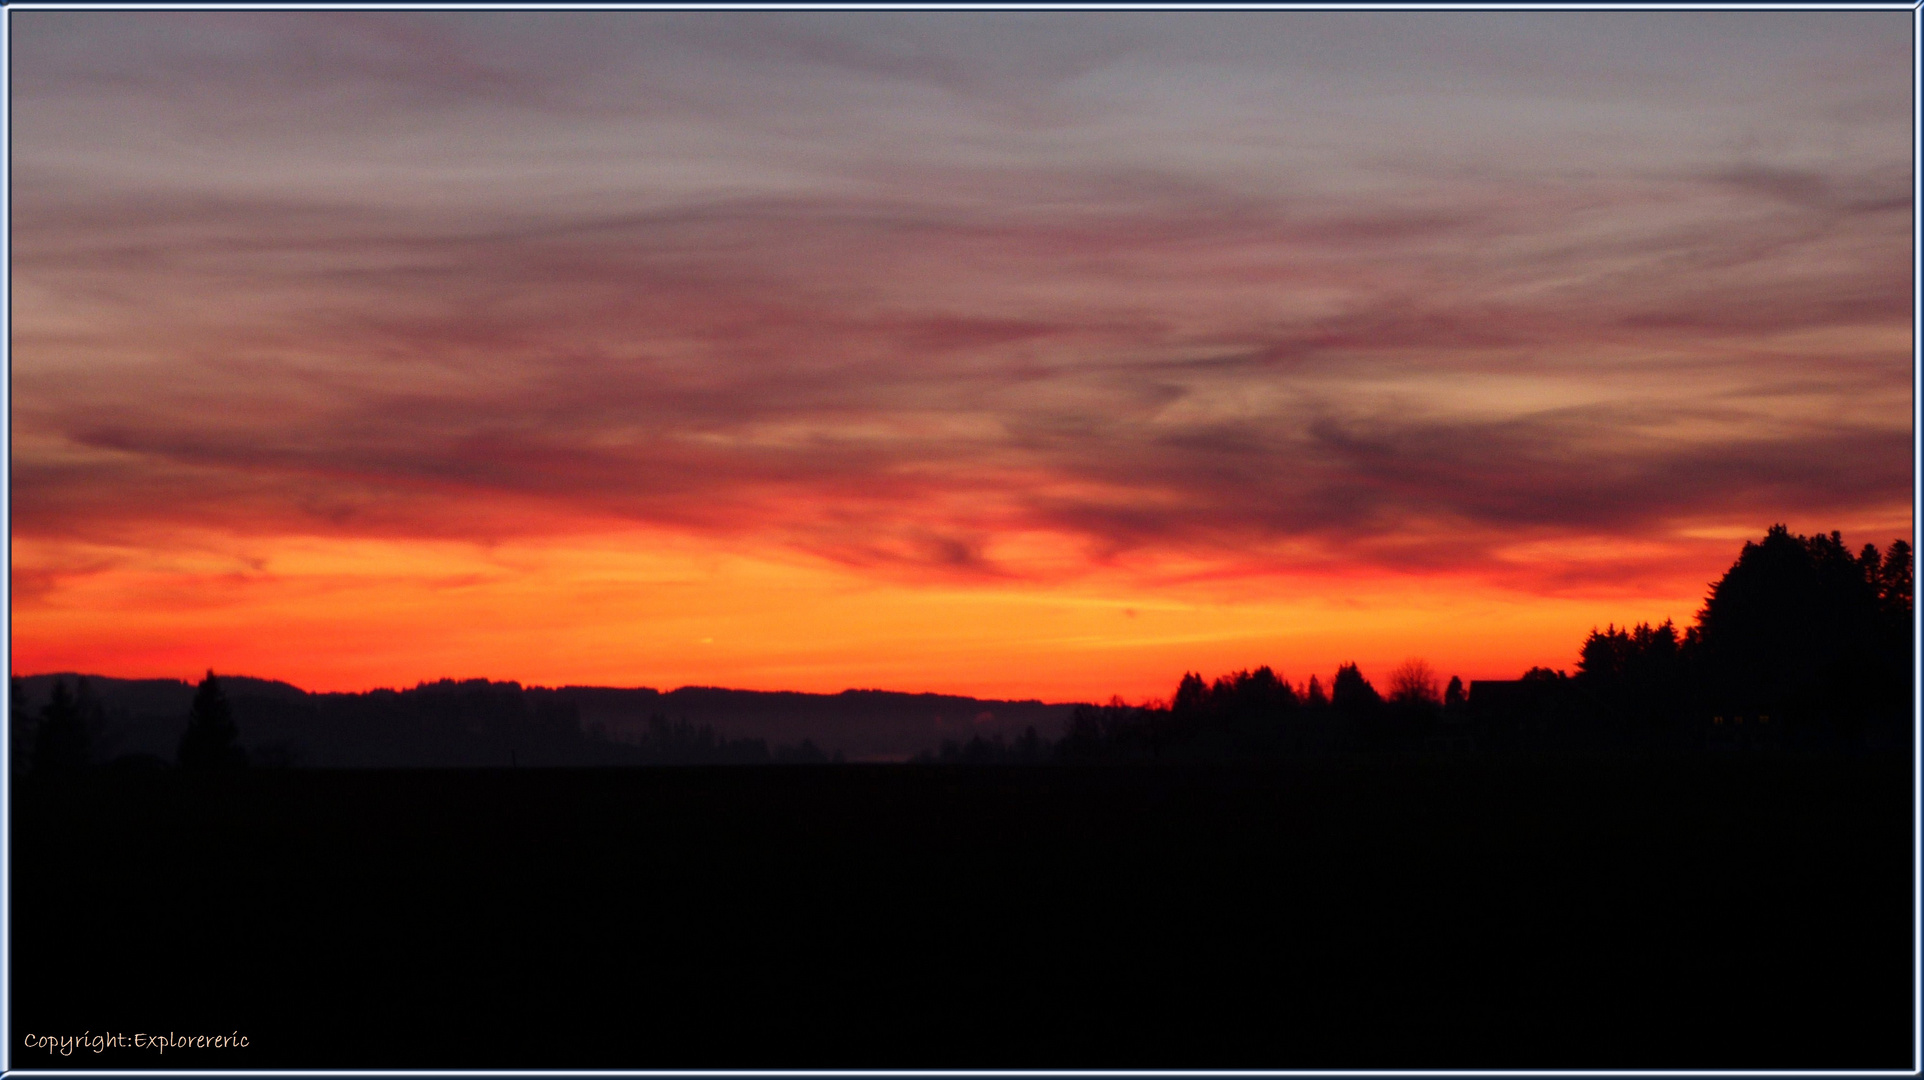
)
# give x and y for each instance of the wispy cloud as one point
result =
(1133, 284)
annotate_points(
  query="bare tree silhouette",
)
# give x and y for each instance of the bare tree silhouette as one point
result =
(1413, 682)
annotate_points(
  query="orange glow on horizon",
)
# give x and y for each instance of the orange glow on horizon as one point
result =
(652, 609)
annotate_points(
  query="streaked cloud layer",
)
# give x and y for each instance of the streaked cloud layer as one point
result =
(1534, 311)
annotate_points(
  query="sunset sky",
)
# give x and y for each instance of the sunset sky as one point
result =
(1011, 354)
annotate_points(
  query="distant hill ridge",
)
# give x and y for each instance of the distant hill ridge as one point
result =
(478, 722)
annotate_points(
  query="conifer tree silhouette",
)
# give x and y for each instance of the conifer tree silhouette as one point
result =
(1314, 696)
(1191, 694)
(1894, 579)
(1351, 693)
(211, 742)
(1791, 630)
(61, 745)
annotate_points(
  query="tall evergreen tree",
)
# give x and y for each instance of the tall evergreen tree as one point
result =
(211, 742)
(1314, 696)
(1894, 579)
(61, 743)
(1804, 631)
(1351, 693)
(1192, 694)
(1358, 706)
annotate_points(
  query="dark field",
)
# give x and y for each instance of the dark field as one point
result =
(1477, 913)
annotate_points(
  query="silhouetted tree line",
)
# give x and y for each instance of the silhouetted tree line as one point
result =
(445, 723)
(1801, 644)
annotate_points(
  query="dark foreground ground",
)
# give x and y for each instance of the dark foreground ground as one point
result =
(1734, 913)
